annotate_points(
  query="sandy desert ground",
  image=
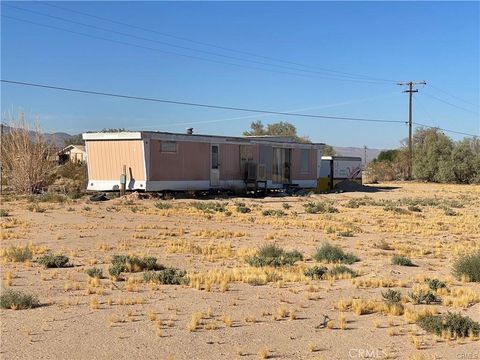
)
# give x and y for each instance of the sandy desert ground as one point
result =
(229, 309)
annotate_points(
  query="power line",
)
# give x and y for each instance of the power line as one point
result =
(260, 111)
(447, 130)
(449, 103)
(453, 96)
(215, 46)
(341, 77)
(179, 54)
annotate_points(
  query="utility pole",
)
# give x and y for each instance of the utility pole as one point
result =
(365, 155)
(410, 121)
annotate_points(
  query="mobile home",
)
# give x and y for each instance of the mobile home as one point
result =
(334, 169)
(157, 161)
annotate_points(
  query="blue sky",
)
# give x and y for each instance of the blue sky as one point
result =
(433, 41)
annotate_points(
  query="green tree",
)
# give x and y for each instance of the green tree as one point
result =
(432, 155)
(329, 150)
(281, 128)
(463, 161)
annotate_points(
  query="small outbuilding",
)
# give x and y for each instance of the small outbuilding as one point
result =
(335, 169)
(74, 153)
(158, 161)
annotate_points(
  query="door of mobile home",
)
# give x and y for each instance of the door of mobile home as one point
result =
(214, 165)
(281, 166)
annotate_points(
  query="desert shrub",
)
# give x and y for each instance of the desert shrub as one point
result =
(87, 208)
(315, 272)
(341, 270)
(392, 297)
(270, 212)
(286, 206)
(208, 207)
(17, 300)
(319, 207)
(346, 233)
(402, 261)
(52, 197)
(95, 272)
(242, 208)
(35, 207)
(53, 261)
(26, 157)
(423, 297)
(4, 213)
(435, 284)
(414, 208)
(382, 244)
(273, 255)
(162, 205)
(115, 270)
(132, 263)
(454, 324)
(468, 267)
(449, 212)
(356, 203)
(167, 276)
(334, 254)
(17, 253)
(396, 209)
(272, 276)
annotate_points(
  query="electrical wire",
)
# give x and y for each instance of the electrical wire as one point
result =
(341, 77)
(260, 111)
(212, 45)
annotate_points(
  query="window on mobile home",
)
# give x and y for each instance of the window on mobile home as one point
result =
(304, 160)
(168, 147)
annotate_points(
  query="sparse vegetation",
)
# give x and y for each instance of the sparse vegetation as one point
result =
(167, 276)
(402, 261)
(132, 263)
(208, 207)
(334, 254)
(17, 253)
(454, 325)
(392, 297)
(162, 205)
(17, 300)
(468, 267)
(319, 207)
(53, 261)
(315, 272)
(341, 271)
(273, 255)
(94, 272)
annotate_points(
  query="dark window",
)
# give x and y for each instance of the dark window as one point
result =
(304, 160)
(168, 147)
(214, 156)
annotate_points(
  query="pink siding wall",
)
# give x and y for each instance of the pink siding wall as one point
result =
(190, 162)
(312, 166)
(230, 162)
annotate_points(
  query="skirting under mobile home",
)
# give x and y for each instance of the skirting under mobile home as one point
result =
(159, 161)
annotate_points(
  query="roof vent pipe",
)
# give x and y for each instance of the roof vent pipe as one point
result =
(189, 131)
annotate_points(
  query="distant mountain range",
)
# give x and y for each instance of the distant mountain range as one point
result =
(59, 138)
(356, 151)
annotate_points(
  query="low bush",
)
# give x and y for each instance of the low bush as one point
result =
(454, 324)
(315, 272)
(340, 271)
(396, 209)
(17, 300)
(242, 208)
(468, 267)
(132, 263)
(17, 253)
(346, 233)
(435, 284)
(286, 206)
(52, 197)
(402, 261)
(35, 207)
(273, 255)
(95, 272)
(334, 254)
(414, 208)
(319, 207)
(162, 205)
(423, 297)
(392, 297)
(167, 276)
(208, 207)
(270, 212)
(4, 213)
(53, 261)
